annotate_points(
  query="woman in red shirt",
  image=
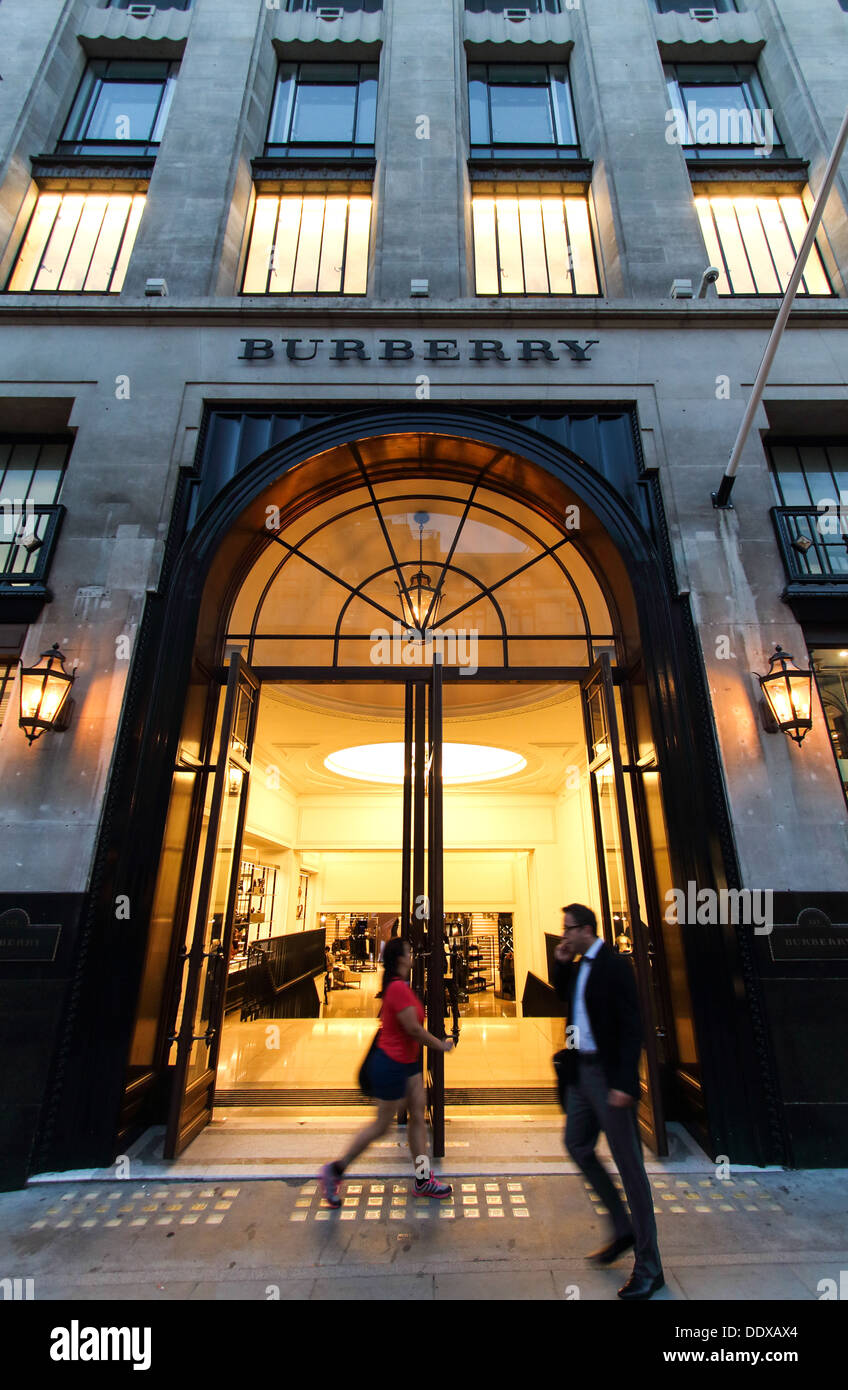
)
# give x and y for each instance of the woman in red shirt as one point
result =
(395, 1073)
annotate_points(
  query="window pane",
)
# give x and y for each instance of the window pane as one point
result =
(756, 246)
(791, 483)
(48, 475)
(556, 242)
(358, 235)
(478, 100)
(795, 215)
(509, 247)
(136, 209)
(309, 246)
(64, 230)
(819, 478)
(278, 131)
(485, 246)
(580, 243)
(324, 113)
(566, 133)
(35, 242)
(521, 116)
(124, 111)
(533, 246)
(366, 112)
(839, 465)
(332, 245)
(108, 244)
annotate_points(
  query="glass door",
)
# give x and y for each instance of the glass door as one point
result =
(624, 918)
(422, 872)
(202, 979)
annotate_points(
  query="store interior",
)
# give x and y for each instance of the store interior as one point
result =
(321, 858)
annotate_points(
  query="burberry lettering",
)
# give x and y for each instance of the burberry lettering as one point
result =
(426, 350)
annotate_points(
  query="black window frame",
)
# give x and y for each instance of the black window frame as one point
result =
(799, 445)
(157, 4)
(498, 6)
(366, 72)
(742, 75)
(502, 150)
(348, 6)
(684, 6)
(85, 101)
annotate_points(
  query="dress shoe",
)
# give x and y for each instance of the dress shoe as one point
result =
(641, 1286)
(608, 1253)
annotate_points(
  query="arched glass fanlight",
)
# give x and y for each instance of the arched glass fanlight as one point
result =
(420, 597)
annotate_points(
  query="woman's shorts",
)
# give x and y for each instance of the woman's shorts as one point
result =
(388, 1077)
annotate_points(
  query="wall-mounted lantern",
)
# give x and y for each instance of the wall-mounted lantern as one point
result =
(788, 695)
(45, 688)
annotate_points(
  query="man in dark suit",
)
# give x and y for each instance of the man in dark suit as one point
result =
(602, 1079)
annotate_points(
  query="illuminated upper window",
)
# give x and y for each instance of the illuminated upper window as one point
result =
(533, 245)
(755, 242)
(720, 111)
(78, 242)
(324, 109)
(120, 108)
(521, 110)
(308, 245)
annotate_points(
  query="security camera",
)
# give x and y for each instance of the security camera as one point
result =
(709, 277)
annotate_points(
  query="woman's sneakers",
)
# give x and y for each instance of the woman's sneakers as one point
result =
(429, 1187)
(330, 1184)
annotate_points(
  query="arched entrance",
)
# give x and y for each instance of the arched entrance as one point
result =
(526, 640)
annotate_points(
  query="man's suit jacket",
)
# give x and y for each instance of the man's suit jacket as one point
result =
(612, 1004)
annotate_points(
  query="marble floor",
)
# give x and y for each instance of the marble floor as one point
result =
(326, 1052)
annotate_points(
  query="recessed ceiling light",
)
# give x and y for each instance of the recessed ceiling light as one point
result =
(461, 763)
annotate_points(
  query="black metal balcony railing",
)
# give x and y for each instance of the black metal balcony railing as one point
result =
(813, 544)
(27, 542)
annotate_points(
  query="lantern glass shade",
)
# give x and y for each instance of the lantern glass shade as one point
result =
(416, 601)
(788, 694)
(44, 692)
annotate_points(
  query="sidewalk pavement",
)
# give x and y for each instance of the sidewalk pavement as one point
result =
(520, 1233)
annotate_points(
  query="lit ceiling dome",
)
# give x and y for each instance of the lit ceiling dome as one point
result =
(462, 763)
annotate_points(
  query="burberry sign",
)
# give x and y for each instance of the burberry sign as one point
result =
(426, 350)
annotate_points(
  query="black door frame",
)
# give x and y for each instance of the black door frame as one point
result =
(87, 1119)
